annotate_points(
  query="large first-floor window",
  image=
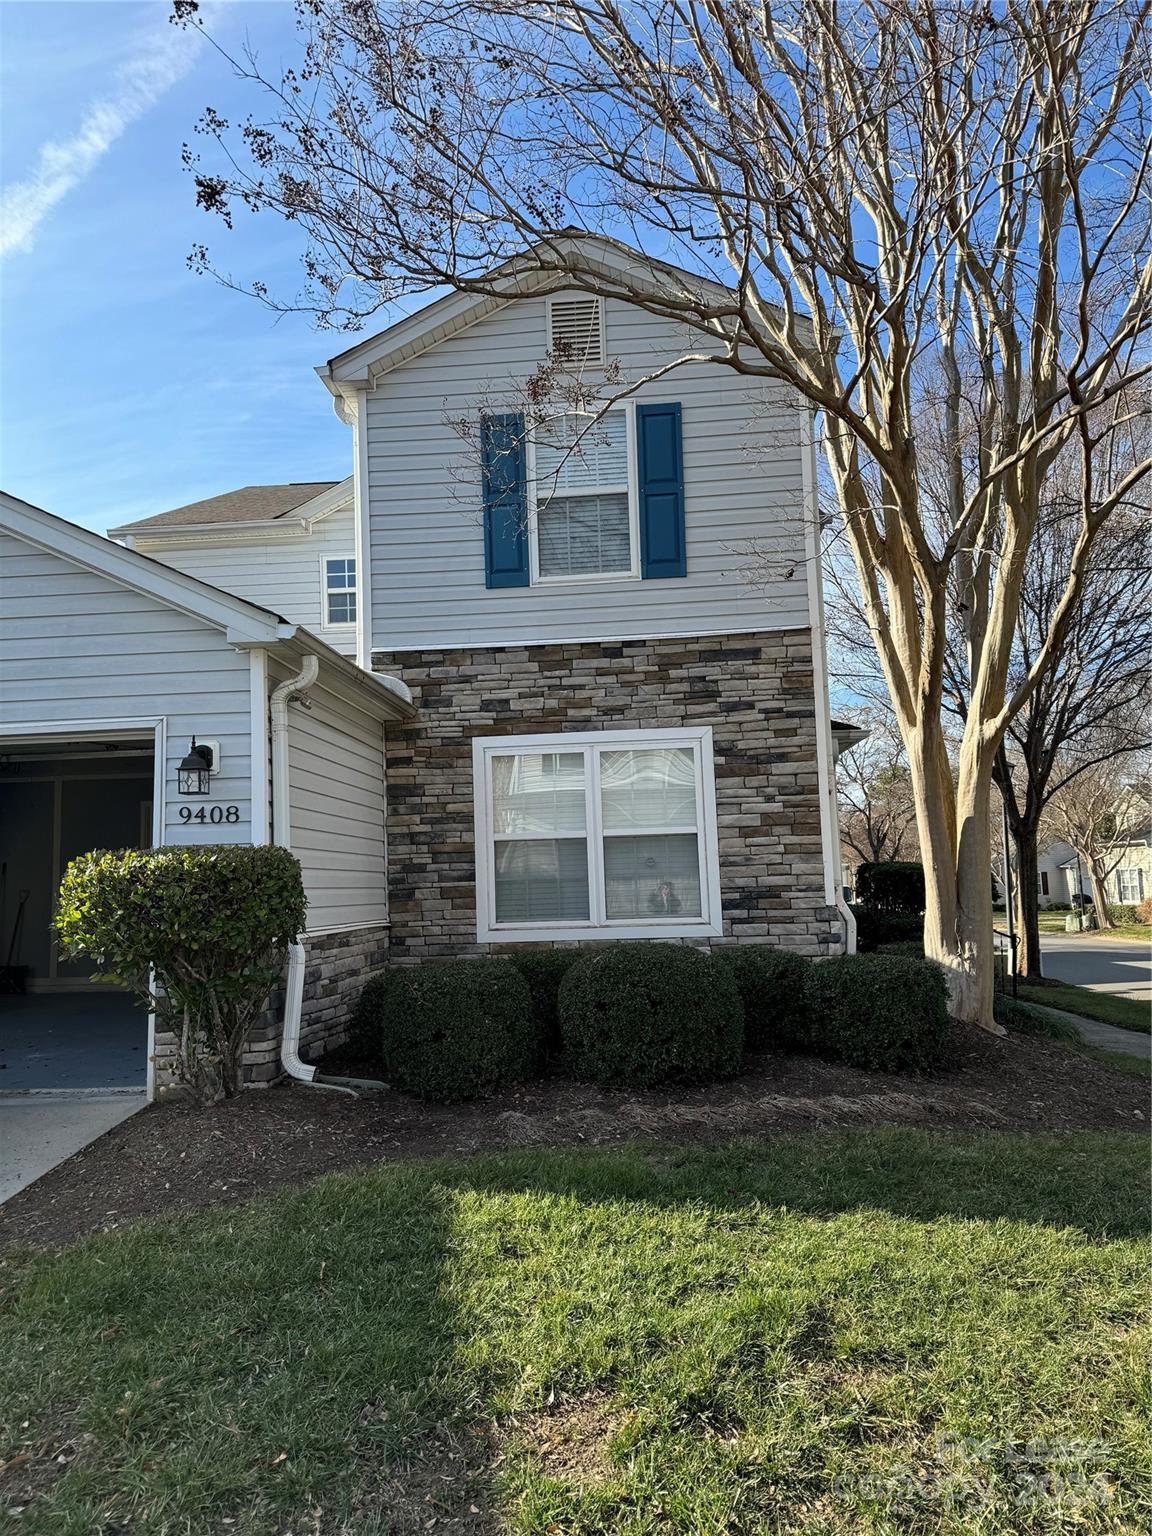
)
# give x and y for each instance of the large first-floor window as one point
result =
(1131, 884)
(610, 833)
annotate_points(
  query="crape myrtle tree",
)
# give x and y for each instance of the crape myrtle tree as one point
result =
(861, 196)
(1089, 707)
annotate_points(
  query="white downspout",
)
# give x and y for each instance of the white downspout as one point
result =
(295, 688)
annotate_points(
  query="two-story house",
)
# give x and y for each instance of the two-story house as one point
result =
(578, 581)
(287, 547)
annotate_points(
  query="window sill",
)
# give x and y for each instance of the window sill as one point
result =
(619, 577)
(541, 933)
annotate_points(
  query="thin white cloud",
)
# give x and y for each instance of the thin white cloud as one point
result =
(161, 58)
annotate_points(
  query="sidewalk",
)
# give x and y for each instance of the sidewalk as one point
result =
(1104, 1037)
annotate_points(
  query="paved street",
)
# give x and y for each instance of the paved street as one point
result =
(1103, 965)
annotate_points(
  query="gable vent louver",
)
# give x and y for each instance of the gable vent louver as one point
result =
(577, 333)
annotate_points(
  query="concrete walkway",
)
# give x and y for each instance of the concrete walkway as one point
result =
(1104, 1037)
(40, 1130)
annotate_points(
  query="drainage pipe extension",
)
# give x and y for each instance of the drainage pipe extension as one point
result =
(295, 688)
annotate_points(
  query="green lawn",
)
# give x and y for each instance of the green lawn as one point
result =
(1124, 1012)
(881, 1332)
(1053, 922)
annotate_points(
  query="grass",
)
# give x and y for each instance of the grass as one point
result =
(1124, 1012)
(854, 1333)
(1053, 922)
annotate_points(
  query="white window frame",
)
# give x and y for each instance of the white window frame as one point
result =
(628, 407)
(1137, 874)
(343, 625)
(598, 925)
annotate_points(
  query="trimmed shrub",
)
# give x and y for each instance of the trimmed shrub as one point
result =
(881, 1012)
(1123, 913)
(875, 928)
(209, 924)
(636, 1015)
(897, 885)
(773, 987)
(449, 1029)
(544, 970)
(1144, 911)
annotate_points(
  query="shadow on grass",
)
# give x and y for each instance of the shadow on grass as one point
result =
(647, 1339)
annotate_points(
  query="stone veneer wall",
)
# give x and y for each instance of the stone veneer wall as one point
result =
(338, 965)
(755, 691)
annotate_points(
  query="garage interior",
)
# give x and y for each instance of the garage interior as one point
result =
(60, 1030)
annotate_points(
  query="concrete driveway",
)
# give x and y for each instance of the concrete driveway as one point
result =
(72, 1065)
(1102, 965)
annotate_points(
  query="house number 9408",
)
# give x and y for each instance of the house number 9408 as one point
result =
(210, 813)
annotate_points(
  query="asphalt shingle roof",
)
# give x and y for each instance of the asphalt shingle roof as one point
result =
(249, 504)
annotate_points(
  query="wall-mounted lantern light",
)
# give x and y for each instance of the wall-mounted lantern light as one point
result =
(194, 772)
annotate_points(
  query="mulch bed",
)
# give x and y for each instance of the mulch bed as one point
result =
(174, 1156)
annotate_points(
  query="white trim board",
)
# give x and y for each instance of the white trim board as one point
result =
(761, 628)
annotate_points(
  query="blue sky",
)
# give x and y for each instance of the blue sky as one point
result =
(128, 384)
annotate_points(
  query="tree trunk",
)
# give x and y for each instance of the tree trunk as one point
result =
(1027, 901)
(956, 850)
(1099, 896)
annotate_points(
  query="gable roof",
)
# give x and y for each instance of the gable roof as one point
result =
(250, 504)
(612, 268)
(245, 624)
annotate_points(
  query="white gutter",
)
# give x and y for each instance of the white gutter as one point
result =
(295, 688)
(825, 749)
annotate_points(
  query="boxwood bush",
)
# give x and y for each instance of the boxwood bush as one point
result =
(874, 928)
(773, 987)
(544, 970)
(887, 1013)
(636, 1015)
(448, 1029)
(895, 885)
(199, 933)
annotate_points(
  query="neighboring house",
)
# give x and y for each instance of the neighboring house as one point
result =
(610, 630)
(1128, 884)
(288, 547)
(1051, 882)
(110, 663)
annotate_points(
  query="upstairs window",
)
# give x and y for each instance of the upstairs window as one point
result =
(584, 473)
(339, 590)
(609, 834)
(576, 331)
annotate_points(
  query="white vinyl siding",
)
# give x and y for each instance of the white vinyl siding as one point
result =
(743, 496)
(336, 770)
(78, 646)
(283, 572)
(607, 834)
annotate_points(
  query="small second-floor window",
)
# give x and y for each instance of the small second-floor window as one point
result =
(340, 590)
(1131, 882)
(582, 489)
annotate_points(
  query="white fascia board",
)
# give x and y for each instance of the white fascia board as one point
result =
(619, 266)
(387, 698)
(129, 568)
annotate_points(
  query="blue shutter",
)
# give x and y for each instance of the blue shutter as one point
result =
(661, 476)
(505, 481)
